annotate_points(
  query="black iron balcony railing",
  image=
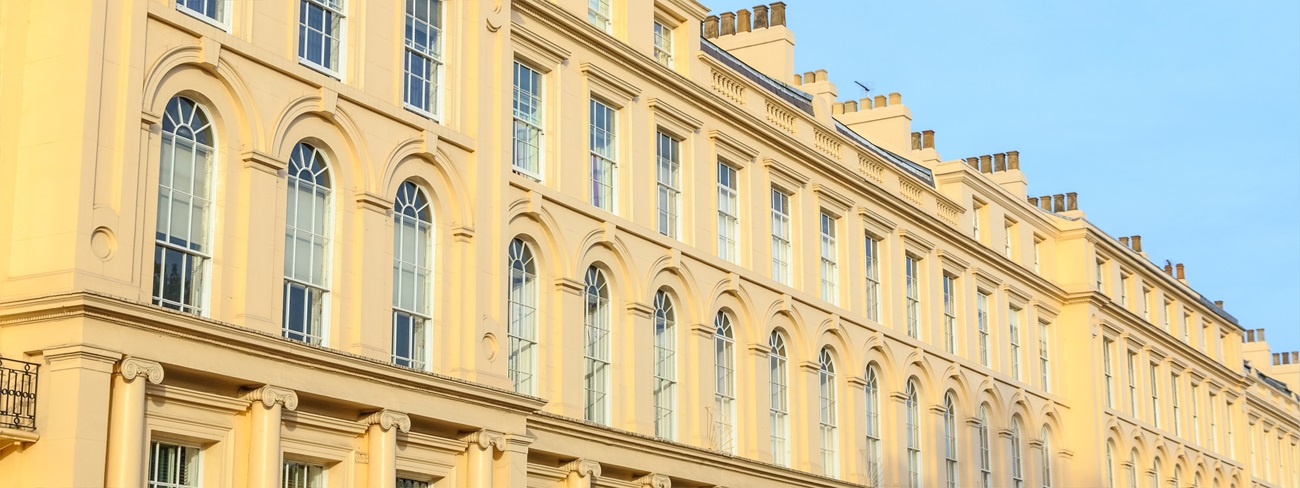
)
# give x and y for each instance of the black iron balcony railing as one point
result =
(18, 394)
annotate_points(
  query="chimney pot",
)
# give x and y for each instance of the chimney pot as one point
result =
(850, 106)
(743, 21)
(999, 162)
(760, 17)
(778, 13)
(1059, 200)
(916, 141)
(986, 164)
(1072, 201)
(1169, 269)
(1260, 334)
(1124, 241)
(1179, 271)
(895, 98)
(1013, 160)
(1277, 359)
(1218, 303)
(1250, 336)
(1137, 243)
(880, 101)
(1033, 201)
(728, 23)
(711, 27)
(927, 139)
(1295, 357)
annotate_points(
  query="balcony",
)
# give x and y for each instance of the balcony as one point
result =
(17, 402)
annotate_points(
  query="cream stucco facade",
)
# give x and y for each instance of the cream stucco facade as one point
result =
(628, 249)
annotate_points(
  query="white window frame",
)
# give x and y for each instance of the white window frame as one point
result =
(419, 269)
(829, 258)
(311, 475)
(600, 13)
(951, 468)
(603, 137)
(1107, 371)
(311, 285)
(521, 332)
(986, 458)
(338, 39)
(1045, 437)
(598, 318)
(529, 116)
(1155, 394)
(728, 212)
(982, 319)
(1132, 384)
(185, 116)
(665, 366)
(873, 452)
(222, 8)
(1017, 458)
(1044, 355)
(872, 261)
(912, 268)
(950, 313)
(1013, 329)
(912, 407)
(185, 465)
(779, 399)
(827, 420)
(724, 384)
(781, 236)
(1173, 394)
(431, 53)
(663, 44)
(668, 184)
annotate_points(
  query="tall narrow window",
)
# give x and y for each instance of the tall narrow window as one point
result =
(528, 122)
(1110, 465)
(1008, 236)
(1232, 441)
(1132, 385)
(598, 13)
(1045, 436)
(1044, 357)
(1169, 317)
(913, 414)
(873, 428)
(1106, 346)
(1038, 255)
(873, 278)
(597, 321)
(182, 250)
(982, 319)
(1155, 474)
(728, 213)
(1123, 289)
(950, 440)
(724, 383)
(307, 246)
(913, 297)
(412, 276)
(779, 400)
(320, 34)
(668, 177)
(173, 466)
(604, 156)
(1155, 395)
(1214, 423)
(986, 461)
(830, 260)
(949, 313)
(1173, 398)
(663, 44)
(522, 326)
(211, 11)
(1100, 271)
(1013, 327)
(1196, 416)
(1017, 460)
(780, 236)
(1132, 469)
(298, 474)
(665, 371)
(829, 434)
(975, 221)
(1146, 303)
(424, 57)
(1187, 331)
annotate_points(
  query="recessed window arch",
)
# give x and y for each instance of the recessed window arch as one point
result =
(307, 246)
(1132, 468)
(412, 277)
(829, 424)
(1110, 464)
(724, 384)
(873, 453)
(1045, 435)
(665, 368)
(1017, 459)
(779, 400)
(522, 321)
(912, 406)
(985, 455)
(950, 440)
(597, 318)
(183, 232)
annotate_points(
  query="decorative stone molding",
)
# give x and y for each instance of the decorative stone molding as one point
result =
(387, 419)
(780, 117)
(910, 191)
(872, 169)
(568, 285)
(639, 309)
(271, 395)
(485, 439)
(828, 144)
(264, 162)
(655, 480)
(133, 367)
(374, 203)
(728, 87)
(584, 468)
(662, 110)
(600, 80)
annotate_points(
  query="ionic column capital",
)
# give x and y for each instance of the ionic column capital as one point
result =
(271, 395)
(132, 367)
(584, 467)
(485, 439)
(655, 480)
(387, 419)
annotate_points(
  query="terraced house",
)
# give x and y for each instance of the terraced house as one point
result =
(562, 243)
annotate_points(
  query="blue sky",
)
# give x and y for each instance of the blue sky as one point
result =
(1177, 121)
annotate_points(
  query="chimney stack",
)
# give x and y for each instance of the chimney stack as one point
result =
(1033, 201)
(778, 13)
(1178, 268)
(974, 163)
(1045, 201)
(1072, 201)
(1250, 336)
(1137, 243)
(1013, 160)
(1169, 268)
(743, 21)
(986, 164)
(927, 139)
(1059, 200)
(1259, 334)
(916, 141)
(880, 101)
(1218, 303)
(1000, 162)
(711, 27)
(1124, 241)
(728, 24)
(760, 17)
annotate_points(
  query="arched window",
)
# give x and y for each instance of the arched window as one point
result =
(1017, 461)
(307, 246)
(665, 371)
(1132, 469)
(182, 239)
(522, 327)
(1110, 465)
(1175, 477)
(950, 439)
(412, 269)
(596, 350)
(779, 402)
(913, 406)
(873, 427)
(1046, 437)
(724, 384)
(986, 461)
(827, 395)
(1196, 481)
(1155, 474)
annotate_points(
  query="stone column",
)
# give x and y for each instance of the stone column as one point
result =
(128, 451)
(72, 413)
(582, 473)
(853, 429)
(481, 447)
(381, 436)
(1004, 440)
(266, 407)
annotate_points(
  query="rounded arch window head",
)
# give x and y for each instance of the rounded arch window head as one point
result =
(949, 404)
(307, 163)
(185, 119)
(521, 257)
(827, 361)
(412, 202)
(597, 285)
(777, 343)
(722, 325)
